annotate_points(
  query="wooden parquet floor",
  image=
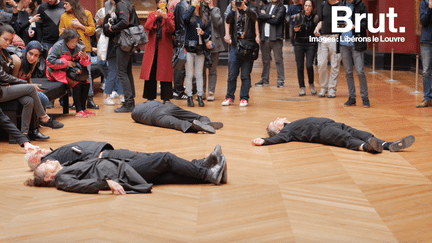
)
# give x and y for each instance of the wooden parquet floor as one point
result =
(296, 192)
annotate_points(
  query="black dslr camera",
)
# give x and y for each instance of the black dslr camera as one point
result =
(238, 3)
(112, 20)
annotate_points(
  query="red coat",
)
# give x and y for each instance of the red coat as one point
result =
(164, 68)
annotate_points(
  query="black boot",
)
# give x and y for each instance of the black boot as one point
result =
(125, 108)
(190, 102)
(200, 101)
(36, 135)
(91, 104)
(373, 146)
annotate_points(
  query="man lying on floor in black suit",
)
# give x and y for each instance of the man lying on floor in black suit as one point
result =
(328, 132)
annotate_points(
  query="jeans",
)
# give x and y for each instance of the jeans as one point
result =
(124, 73)
(300, 51)
(324, 51)
(350, 58)
(43, 99)
(91, 92)
(194, 61)
(426, 56)
(235, 65)
(266, 47)
(112, 82)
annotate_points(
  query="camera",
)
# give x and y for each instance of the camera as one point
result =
(112, 20)
(238, 3)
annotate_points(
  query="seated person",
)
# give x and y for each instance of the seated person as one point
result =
(11, 129)
(154, 113)
(62, 55)
(85, 150)
(90, 176)
(328, 132)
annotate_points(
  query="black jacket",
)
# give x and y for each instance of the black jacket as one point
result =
(179, 33)
(47, 28)
(359, 8)
(82, 150)
(111, 51)
(275, 19)
(5, 69)
(126, 16)
(90, 176)
(251, 18)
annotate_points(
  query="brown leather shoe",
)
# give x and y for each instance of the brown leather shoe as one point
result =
(425, 103)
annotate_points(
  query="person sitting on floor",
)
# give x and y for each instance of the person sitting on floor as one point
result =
(328, 132)
(154, 113)
(93, 175)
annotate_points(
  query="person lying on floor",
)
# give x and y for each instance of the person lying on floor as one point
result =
(85, 150)
(93, 175)
(328, 132)
(154, 113)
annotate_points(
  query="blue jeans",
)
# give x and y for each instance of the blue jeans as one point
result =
(426, 55)
(235, 65)
(112, 83)
(352, 58)
(43, 99)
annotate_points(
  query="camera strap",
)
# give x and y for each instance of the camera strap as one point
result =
(245, 23)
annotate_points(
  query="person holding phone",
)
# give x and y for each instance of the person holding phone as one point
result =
(157, 61)
(304, 26)
(197, 35)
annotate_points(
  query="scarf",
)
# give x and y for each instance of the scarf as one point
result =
(26, 66)
(159, 29)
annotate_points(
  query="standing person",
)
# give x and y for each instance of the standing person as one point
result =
(112, 82)
(126, 17)
(62, 55)
(47, 28)
(197, 35)
(213, 14)
(272, 16)
(24, 21)
(293, 10)
(304, 26)
(425, 10)
(179, 42)
(328, 48)
(353, 54)
(76, 17)
(157, 60)
(241, 22)
(12, 88)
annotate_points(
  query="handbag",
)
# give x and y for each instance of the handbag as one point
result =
(132, 38)
(179, 58)
(247, 49)
(78, 73)
(102, 47)
(208, 59)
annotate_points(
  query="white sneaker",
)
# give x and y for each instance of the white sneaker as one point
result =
(114, 95)
(121, 100)
(243, 102)
(226, 102)
(109, 101)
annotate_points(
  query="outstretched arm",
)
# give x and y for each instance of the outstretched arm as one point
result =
(115, 187)
(258, 141)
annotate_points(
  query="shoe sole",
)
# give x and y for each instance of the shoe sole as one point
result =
(219, 179)
(375, 145)
(215, 125)
(402, 144)
(201, 127)
(224, 178)
(346, 105)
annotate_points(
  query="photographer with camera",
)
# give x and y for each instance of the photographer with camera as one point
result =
(241, 19)
(126, 17)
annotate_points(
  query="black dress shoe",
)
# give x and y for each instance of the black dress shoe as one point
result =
(36, 135)
(124, 109)
(373, 146)
(198, 126)
(91, 104)
(402, 143)
(214, 174)
(190, 102)
(200, 101)
(215, 125)
(213, 158)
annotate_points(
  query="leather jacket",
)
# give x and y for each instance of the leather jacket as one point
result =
(275, 19)
(5, 69)
(180, 31)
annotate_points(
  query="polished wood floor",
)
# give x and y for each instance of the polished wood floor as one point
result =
(296, 192)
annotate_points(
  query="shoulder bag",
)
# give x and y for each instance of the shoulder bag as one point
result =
(179, 58)
(78, 73)
(132, 38)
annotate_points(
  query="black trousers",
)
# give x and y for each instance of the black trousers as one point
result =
(174, 117)
(150, 86)
(341, 135)
(302, 50)
(124, 73)
(179, 77)
(80, 95)
(160, 168)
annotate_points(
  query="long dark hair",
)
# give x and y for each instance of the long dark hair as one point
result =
(313, 12)
(78, 11)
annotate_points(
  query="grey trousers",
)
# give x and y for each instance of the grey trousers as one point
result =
(326, 49)
(266, 47)
(352, 58)
(212, 75)
(26, 94)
